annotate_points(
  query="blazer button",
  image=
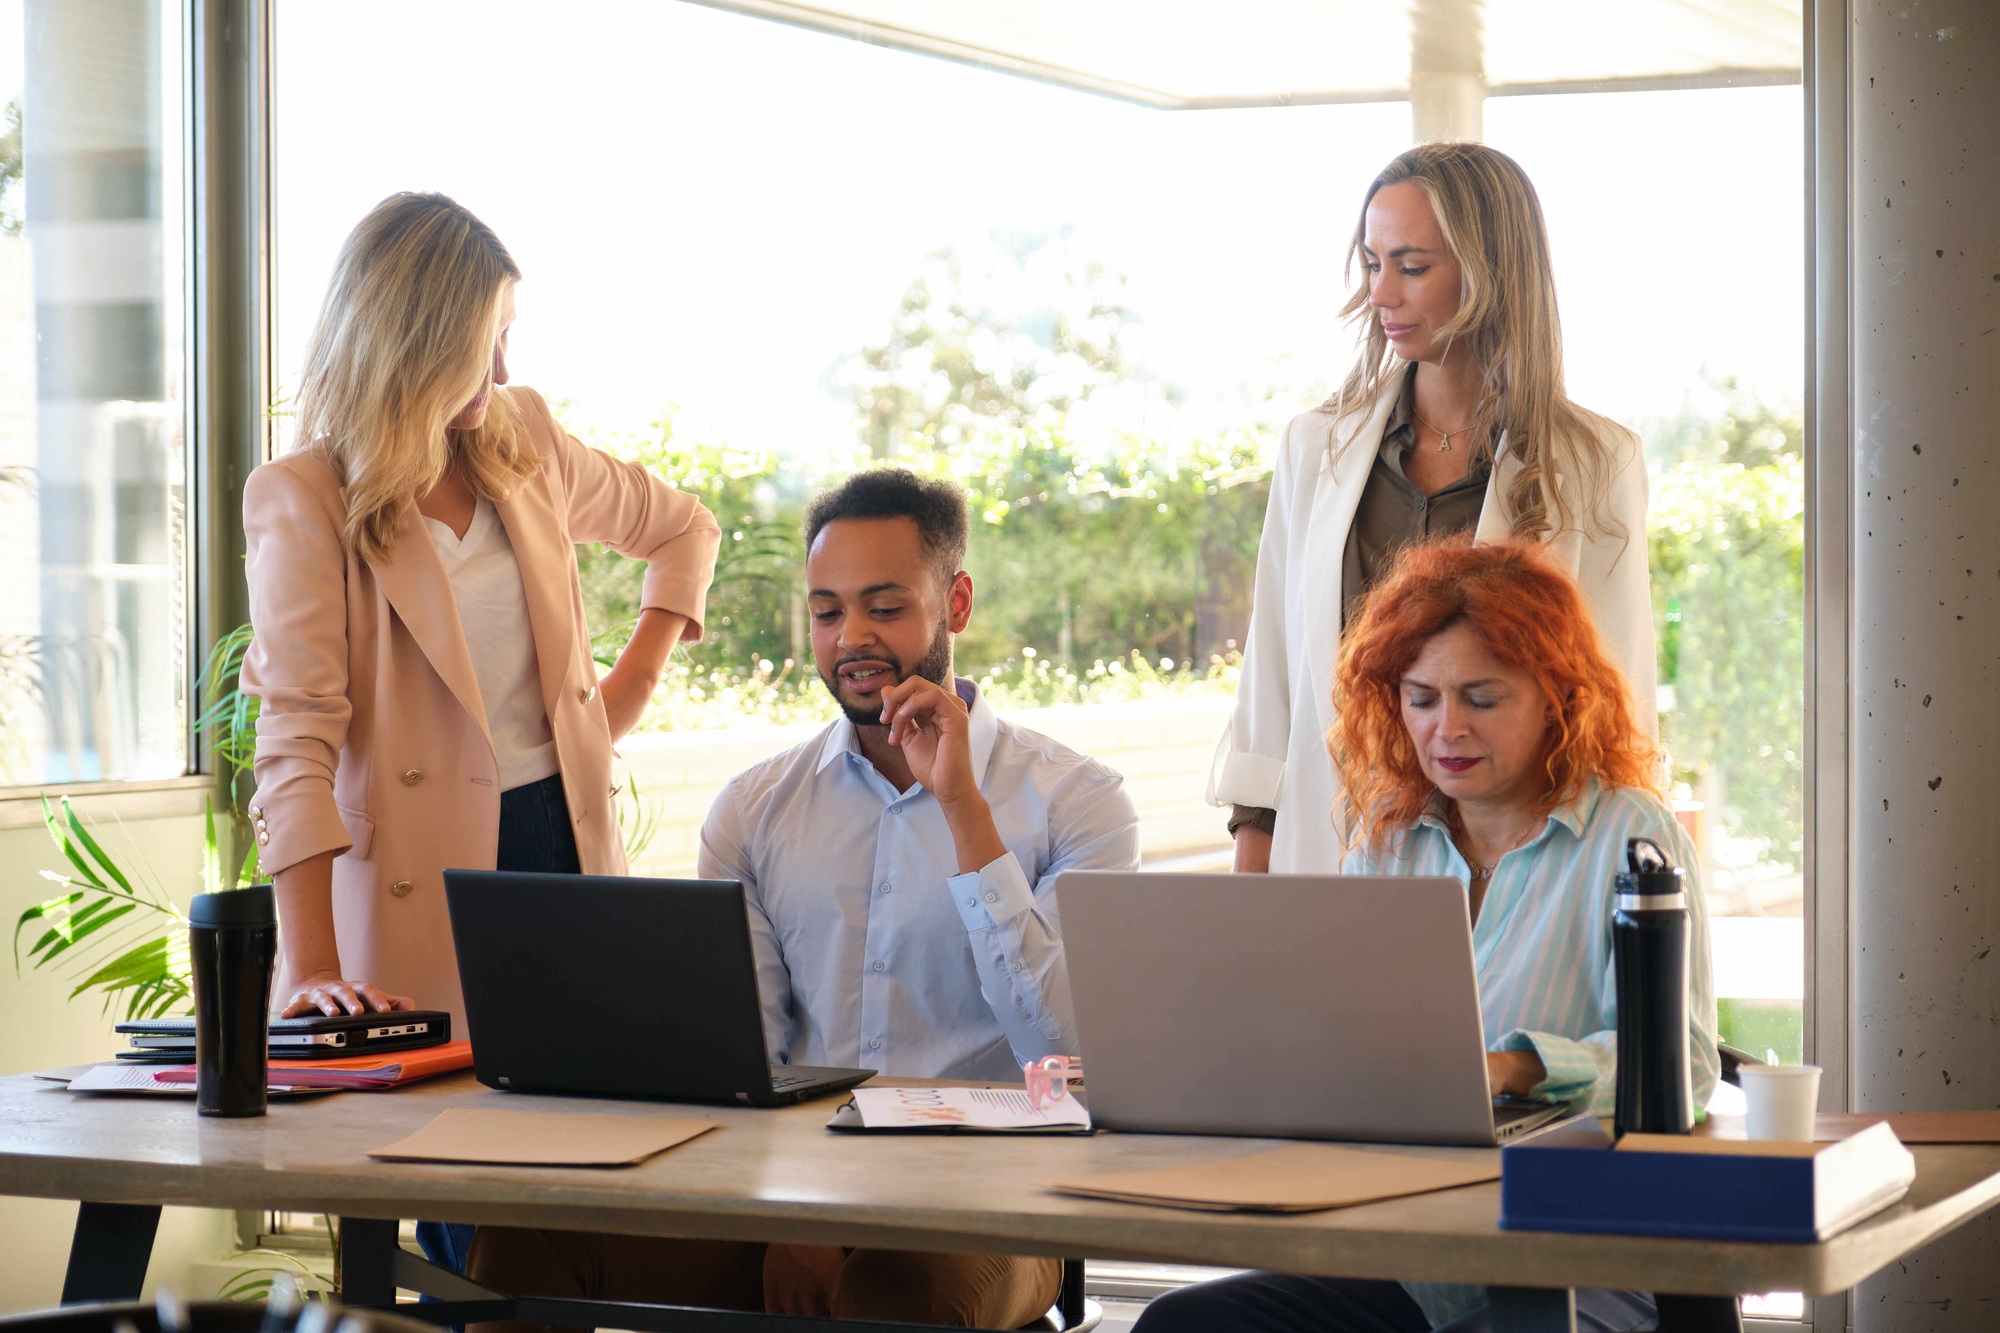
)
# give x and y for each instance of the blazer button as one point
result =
(401, 888)
(413, 777)
(263, 837)
(586, 694)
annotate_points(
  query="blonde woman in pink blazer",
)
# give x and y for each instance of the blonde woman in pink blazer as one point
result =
(429, 699)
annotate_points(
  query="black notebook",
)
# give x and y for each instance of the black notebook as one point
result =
(307, 1037)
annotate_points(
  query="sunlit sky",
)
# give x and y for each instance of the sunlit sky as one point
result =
(713, 210)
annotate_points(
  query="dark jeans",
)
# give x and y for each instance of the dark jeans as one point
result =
(535, 830)
(535, 836)
(1276, 1303)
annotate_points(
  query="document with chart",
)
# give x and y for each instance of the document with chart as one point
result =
(976, 1110)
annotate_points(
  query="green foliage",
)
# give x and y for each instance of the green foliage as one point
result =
(1079, 558)
(283, 1283)
(11, 162)
(1727, 544)
(1014, 337)
(125, 940)
(229, 717)
(130, 940)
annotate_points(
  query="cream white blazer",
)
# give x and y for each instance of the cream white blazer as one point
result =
(1274, 754)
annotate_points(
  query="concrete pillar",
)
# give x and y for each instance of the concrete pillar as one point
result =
(1923, 86)
(1447, 71)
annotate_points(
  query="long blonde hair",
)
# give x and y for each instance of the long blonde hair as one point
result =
(404, 341)
(1507, 321)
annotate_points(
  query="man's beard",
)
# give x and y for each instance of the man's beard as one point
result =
(934, 666)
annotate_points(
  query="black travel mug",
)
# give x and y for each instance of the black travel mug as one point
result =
(232, 946)
(1649, 944)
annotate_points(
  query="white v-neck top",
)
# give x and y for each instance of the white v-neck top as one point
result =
(493, 612)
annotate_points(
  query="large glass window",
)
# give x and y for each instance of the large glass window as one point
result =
(758, 256)
(93, 609)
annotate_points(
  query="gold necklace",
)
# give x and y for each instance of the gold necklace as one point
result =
(1444, 436)
(1479, 871)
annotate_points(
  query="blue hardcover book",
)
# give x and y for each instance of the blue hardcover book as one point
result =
(1574, 1178)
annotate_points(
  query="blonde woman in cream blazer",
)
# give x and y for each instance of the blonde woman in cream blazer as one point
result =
(374, 750)
(1461, 308)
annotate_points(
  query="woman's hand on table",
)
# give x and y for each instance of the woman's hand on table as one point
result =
(798, 1279)
(330, 994)
(1514, 1073)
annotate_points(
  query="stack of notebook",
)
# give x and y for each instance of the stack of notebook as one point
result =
(312, 1037)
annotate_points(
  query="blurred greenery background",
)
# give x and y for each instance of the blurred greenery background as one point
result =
(1114, 564)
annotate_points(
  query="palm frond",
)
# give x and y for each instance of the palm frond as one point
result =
(225, 709)
(107, 930)
(638, 820)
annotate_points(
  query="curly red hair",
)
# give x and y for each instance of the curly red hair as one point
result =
(1530, 615)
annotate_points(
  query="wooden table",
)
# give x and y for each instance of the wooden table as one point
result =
(779, 1175)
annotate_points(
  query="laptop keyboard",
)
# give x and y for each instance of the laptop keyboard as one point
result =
(1507, 1112)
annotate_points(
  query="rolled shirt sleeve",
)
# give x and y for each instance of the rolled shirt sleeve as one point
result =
(1014, 927)
(296, 665)
(636, 514)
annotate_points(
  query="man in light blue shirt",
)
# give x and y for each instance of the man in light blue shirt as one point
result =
(899, 865)
(900, 871)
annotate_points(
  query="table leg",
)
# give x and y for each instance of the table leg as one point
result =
(109, 1251)
(1699, 1314)
(1532, 1309)
(367, 1261)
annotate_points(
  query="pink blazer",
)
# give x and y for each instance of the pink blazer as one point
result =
(372, 741)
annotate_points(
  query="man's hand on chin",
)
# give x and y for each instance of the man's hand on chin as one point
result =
(933, 728)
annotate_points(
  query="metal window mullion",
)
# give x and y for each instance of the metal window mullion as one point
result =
(1828, 575)
(230, 313)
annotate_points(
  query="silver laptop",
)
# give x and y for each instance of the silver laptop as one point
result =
(1290, 1006)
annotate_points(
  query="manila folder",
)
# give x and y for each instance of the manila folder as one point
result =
(1302, 1178)
(540, 1138)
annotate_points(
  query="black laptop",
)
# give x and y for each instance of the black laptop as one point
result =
(618, 987)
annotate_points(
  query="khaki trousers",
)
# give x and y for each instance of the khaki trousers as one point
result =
(989, 1291)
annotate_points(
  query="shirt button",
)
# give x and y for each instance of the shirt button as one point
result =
(972, 902)
(885, 888)
(413, 777)
(879, 964)
(992, 897)
(401, 888)
(1017, 967)
(874, 1043)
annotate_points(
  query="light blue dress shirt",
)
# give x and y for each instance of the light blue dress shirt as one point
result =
(1542, 951)
(872, 950)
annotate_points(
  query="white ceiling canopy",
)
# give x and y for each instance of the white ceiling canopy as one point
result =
(1202, 54)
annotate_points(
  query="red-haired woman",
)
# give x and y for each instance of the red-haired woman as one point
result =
(1484, 734)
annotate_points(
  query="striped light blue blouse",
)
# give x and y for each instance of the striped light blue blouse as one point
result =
(1542, 950)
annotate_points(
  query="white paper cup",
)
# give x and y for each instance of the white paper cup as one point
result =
(1782, 1100)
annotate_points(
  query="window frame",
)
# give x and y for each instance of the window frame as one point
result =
(227, 284)
(232, 336)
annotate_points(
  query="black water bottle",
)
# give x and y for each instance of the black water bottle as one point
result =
(1649, 943)
(232, 946)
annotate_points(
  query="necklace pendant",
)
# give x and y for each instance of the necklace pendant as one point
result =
(1445, 447)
